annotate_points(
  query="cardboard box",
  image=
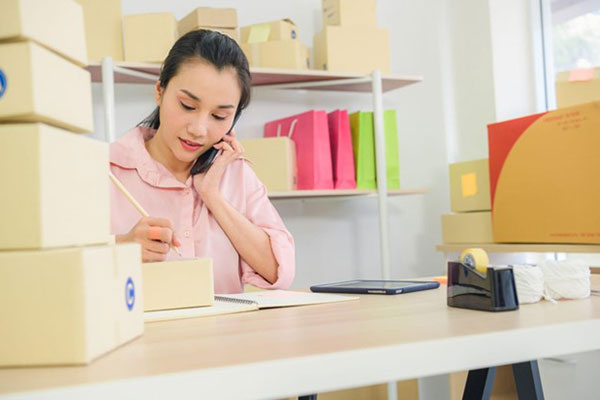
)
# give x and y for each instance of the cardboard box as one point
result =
(57, 25)
(208, 17)
(149, 37)
(68, 306)
(544, 177)
(274, 162)
(349, 12)
(577, 87)
(470, 186)
(56, 188)
(103, 29)
(284, 29)
(352, 49)
(40, 86)
(473, 227)
(232, 33)
(178, 284)
(288, 54)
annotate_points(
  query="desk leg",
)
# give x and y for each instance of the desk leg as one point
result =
(308, 397)
(479, 384)
(527, 380)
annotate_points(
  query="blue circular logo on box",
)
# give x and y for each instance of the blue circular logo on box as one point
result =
(2, 83)
(129, 294)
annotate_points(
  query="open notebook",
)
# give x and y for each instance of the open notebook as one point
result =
(234, 303)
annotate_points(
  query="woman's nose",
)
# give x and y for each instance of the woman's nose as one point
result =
(198, 126)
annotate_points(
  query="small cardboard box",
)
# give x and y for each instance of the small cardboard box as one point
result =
(178, 284)
(40, 86)
(545, 177)
(57, 25)
(274, 162)
(56, 188)
(208, 17)
(70, 305)
(472, 227)
(352, 49)
(283, 30)
(470, 186)
(149, 37)
(231, 32)
(350, 12)
(287, 54)
(103, 29)
(577, 87)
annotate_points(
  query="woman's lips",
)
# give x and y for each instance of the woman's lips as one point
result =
(189, 145)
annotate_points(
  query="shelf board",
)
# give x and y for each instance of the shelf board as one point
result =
(307, 194)
(272, 76)
(522, 247)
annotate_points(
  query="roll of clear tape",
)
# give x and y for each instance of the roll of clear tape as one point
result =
(569, 279)
(476, 258)
(529, 281)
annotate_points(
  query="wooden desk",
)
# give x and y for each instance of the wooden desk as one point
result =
(284, 352)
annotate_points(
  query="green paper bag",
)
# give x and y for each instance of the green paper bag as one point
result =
(363, 144)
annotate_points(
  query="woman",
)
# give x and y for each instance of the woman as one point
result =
(183, 164)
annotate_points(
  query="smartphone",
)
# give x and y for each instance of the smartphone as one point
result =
(204, 162)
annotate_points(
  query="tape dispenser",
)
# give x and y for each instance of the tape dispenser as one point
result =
(474, 284)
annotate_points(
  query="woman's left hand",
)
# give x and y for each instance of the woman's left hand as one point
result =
(207, 183)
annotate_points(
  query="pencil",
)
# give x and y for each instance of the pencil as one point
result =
(133, 201)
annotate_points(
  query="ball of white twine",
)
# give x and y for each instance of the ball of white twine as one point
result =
(569, 279)
(529, 280)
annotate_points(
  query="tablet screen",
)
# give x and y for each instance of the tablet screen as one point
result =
(368, 284)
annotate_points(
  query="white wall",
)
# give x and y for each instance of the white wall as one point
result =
(443, 118)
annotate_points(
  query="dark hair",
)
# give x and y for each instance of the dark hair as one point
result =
(217, 49)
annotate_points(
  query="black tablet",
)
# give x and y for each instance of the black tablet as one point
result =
(363, 286)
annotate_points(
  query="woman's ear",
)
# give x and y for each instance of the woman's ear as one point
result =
(158, 92)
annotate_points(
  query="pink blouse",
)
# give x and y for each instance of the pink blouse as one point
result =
(161, 195)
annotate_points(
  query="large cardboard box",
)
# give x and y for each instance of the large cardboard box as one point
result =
(274, 162)
(149, 37)
(349, 12)
(352, 49)
(208, 17)
(545, 176)
(472, 227)
(284, 29)
(41, 86)
(55, 188)
(577, 87)
(470, 186)
(285, 54)
(58, 25)
(232, 33)
(178, 284)
(68, 306)
(103, 29)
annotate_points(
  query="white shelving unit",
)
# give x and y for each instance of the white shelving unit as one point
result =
(109, 74)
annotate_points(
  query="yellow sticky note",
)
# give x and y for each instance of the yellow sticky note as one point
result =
(469, 184)
(259, 33)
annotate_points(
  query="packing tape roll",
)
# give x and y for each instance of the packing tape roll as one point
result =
(475, 258)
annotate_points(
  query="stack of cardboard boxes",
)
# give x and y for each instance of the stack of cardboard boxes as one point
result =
(149, 37)
(470, 201)
(577, 86)
(275, 44)
(350, 40)
(67, 295)
(103, 29)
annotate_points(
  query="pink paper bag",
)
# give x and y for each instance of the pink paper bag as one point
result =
(310, 133)
(341, 150)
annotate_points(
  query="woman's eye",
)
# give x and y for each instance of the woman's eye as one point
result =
(218, 117)
(186, 106)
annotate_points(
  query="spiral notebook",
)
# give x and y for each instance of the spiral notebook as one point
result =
(242, 302)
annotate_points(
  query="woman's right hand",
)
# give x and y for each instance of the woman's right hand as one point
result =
(155, 235)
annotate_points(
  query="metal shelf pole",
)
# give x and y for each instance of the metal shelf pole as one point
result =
(108, 97)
